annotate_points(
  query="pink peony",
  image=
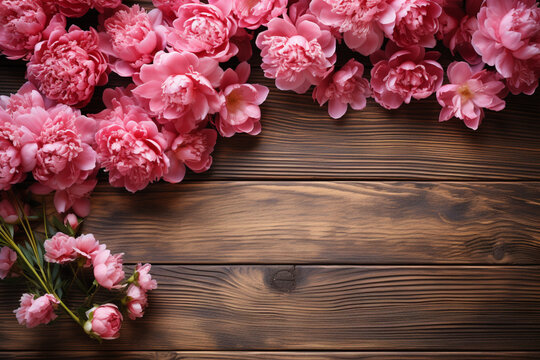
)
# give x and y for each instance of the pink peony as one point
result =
(296, 55)
(104, 321)
(401, 74)
(242, 40)
(108, 269)
(468, 94)
(59, 249)
(251, 13)
(525, 76)
(9, 212)
(240, 111)
(144, 279)
(204, 30)
(508, 31)
(7, 259)
(361, 21)
(180, 88)
(131, 38)
(86, 246)
(68, 66)
(417, 22)
(76, 197)
(136, 302)
(103, 5)
(460, 42)
(342, 88)
(33, 312)
(170, 7)
(26, 98)
(77, 8)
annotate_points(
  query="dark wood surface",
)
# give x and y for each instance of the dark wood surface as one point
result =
(385, 235)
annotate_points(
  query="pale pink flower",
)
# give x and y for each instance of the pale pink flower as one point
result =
(242, 40)
(204, 30)
(131, 38)
(108, 269)
(143, 277)
(417, 22)
(362, 22)
(401, 74)
(460, 41)
(297, 55)
(136, 302)
(508, 31)
(72, 220)
(252, 13)
(104, 321)
(33, 312)
(342, 88)
(240, 112)
(59, 249)
(8, 257)
(468, 93)
(180, 88)
(8, 212)
(22, 102)
(86, 246)
(68, 66)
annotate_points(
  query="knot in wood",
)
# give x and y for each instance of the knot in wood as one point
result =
(498, 251)
(284, 280)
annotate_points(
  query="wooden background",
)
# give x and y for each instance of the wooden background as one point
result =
(385, 235)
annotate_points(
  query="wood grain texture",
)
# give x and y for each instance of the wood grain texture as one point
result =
(459, 308)
(321, 222)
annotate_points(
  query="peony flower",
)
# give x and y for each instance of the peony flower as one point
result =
(143, 278)
(26, 98)
(361, 21)
(131, 38)
(417, 22)
(33, 312)
(401, 74)
(86, 246)
(103, 5)
(108, 269)
(76, 197)
(59, 249)
(104, 321)
(252, 14)
(68, 66)
(170, 7)
(242, 40)
(461, 40)
(452, 13)
(8, 257)
(525, 76)
(342, 88)
(240, 111)
(8, 212)
(296, 55)
(468, 93)
(180, 89)
(136, 302)
(77, 8)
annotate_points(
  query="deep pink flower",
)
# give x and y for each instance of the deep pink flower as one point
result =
(240, 112)
(136, 302)
(7, 259)
(417, 22)
(401, 74)
(108, 269)
(451, 15)
(104, 321)
(468, 93)
(103, 5)
(131, 38)
(86, 246)
(180, 88)
(204, 30)
(242, 40)
(59, 249)
(144, 279)
(296, 55)
(361, 21)
(22, 102)
(68, 66)
(251, 13)
(77, 8)
(525, 76)
(33, 312)
(342, 88)
(460, 41)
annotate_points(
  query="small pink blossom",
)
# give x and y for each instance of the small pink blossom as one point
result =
(297, 55)
(251, 14)
(8, 257)
(417, 22)
(136, 301)
(240, 112)
(33, 312)
(68, 66)
(108, 269)
(76, 197)
(104, 321)
(460, 42)
(342, 88)
(468, 93)
(59, 249)
(72, 220)
(144, 279)
(86, 246)
(401, 74)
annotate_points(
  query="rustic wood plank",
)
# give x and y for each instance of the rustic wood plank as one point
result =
(322, 222)
(459, 308)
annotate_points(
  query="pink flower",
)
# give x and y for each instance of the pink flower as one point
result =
(468, 94)
(401, 74)
(33, 312)
(170, 7)
(136, 302)
(296, 55)
(240, 111)
(104, 321)
(26, 98)
(59, 249)
(461, 40)
(204, 30)
(180, 88)
(72, 220)
(525, 76)
(68, 66)
(508, 31)
(242, 40)
(143, 277)
(7, 259)
(417, 22)
(8, 212)
(102, 5)
(344, 87)
(77, 8)
(24, 23)
(252, 14)
(361, 21)
(108, 269)
(131, 38)
(86, 246)
(75, 197)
